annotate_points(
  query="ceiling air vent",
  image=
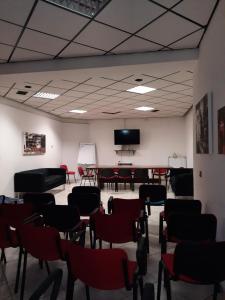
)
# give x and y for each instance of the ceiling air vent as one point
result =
(111, 113)
(21, 92)
(155, 110)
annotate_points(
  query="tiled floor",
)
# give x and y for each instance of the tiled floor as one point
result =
(35, 275)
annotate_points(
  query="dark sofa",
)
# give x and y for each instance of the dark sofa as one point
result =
(181, 181)
(39, 180)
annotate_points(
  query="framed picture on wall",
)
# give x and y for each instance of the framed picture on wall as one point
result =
(221, 130)
(33, 143)
(203, 112)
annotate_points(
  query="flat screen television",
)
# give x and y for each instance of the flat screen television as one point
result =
(127, 136)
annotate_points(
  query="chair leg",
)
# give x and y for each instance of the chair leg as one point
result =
(141, 285)
(18, 270)
(70, 288)
(146, 233)
(47, 267)
(74, 178)
(167, 284)
(135, 291)
(160, 228)
(23, 275)
(215, 291)
(87, 292)
(100, 244)
(3, 258)
(159, 280)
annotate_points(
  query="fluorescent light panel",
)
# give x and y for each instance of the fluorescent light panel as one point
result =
(145, 108)
(141, 89)
(46, 95)
(78, 111)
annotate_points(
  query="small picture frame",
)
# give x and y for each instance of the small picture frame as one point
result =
(34, 144)
(203, 117)
(221, 130)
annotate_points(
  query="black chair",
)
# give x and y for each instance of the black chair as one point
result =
(149, 292)
(108, 176)
(54, 279)
(39, 200)
(88, 205)
(181, 181)
(186, 206)
(140, 176)
(189, 227)
(86, 190)
(194, 263)
(125, 176)
(65, 219)
(153, 195)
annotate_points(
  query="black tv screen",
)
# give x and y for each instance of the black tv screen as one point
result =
(126, 136)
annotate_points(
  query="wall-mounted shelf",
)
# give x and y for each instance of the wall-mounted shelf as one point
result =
(121, 151)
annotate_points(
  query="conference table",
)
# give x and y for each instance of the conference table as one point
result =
(97, 169)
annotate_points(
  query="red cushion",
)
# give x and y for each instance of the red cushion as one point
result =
(70, 172)
(168, 260)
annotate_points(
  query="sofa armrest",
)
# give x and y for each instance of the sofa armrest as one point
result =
(29, 182)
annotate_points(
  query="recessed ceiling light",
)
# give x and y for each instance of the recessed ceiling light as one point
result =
(141, 89)
(145, 108)
(46, 95)
(78, 111)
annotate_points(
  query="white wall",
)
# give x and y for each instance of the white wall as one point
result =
(72, 135)
(210, 77)
(189, 138)
(160, 137)
(13, 122)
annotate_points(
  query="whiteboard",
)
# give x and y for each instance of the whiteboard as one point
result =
(86, 154)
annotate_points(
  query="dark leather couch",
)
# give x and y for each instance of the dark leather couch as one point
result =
(181, 181)
(39, 180)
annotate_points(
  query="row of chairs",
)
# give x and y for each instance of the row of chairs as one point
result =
(84, 175)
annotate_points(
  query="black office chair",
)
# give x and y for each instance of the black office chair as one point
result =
(39, 200)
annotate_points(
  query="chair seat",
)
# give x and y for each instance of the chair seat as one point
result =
(168, 260)
(70, 172)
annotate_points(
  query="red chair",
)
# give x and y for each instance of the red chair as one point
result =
(8, 238)
(193, 263)
(43, 243)
(105, 269)
(68, 173)
(84, 175)
(160, 173)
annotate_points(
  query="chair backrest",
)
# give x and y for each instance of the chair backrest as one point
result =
(203, 262)
(132, 207)
(188, 227)
(114, 228)
(80, 171)
(99, 268)
(86, 203)
(41, 242)
(61, 217)
(15, 214)
(160, 171)
(64, 167)
(140, 173)
(106, 172)
(123, 172)
(86, 190)
(39, 200)
(153, 192)
(186, 206)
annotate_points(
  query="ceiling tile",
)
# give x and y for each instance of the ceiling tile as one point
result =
(32, 87)
(78, 50)
(174, 88)
(158, 93)
(126, 95)
(54, 20)
(95, 96)
(190, 41)
(86, 88)
(9, 33)
(158, 84)
(172, 96)
(75, 94)
(41, 42)
(188, 92)
(28, 55)
(198, 11)
(12, 94)
(136, 44)
(15, 11)
(99, 81)
(101, 36)
(126, 13)
(107, 92)
(168, 29)
(5, 51)
(167, 3)
(180, 76)
(122, 86)
(53, 90)
(188, 82)
(64, 84)
(176, 103)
